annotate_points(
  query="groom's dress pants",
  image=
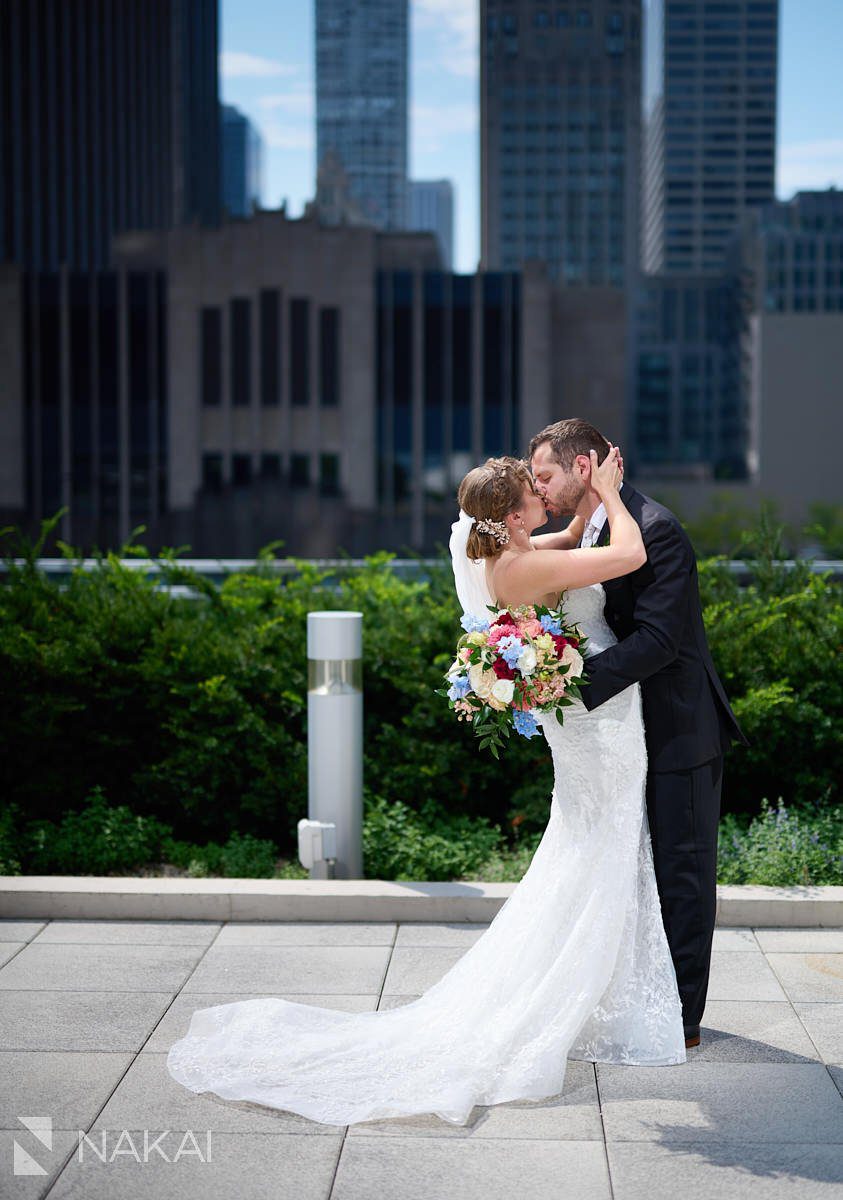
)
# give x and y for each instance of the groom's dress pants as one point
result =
(683, 811)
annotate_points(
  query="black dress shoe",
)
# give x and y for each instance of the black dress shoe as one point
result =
(692, 1036)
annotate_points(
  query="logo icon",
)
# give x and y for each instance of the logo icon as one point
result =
(24, 1163)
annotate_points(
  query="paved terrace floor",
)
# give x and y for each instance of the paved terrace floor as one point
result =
(88, 1010)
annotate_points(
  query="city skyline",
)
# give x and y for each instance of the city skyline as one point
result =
(267, 70)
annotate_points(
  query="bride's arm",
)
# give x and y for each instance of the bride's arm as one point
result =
(563, 539)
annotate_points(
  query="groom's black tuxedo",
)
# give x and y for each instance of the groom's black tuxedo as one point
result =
(656, 615)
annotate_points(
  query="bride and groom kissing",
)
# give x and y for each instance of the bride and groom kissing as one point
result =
(602, 950)
(652, 608)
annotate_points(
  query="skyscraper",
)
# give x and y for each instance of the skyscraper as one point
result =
(361, 101)
(709, 126)
(108, 122)
(432, 208)
(560, 129)
(242, 155)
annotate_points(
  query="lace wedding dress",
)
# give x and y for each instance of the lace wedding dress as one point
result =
(575, 964)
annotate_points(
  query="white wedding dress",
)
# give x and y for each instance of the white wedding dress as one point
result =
(575, 965)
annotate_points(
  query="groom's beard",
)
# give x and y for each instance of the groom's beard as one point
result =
(564, 503)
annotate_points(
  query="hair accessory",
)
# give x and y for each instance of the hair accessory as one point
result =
(497, 529)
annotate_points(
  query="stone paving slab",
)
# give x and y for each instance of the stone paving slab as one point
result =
(74, 967)
(824, 1025)
(308, 933)
(809, 977)
(89, 1009)
(800, 941)
(8, 950)
(130, 933)
(79, 1020)
(248, 1166)
(721, 1102)
(323, 969)
(742, 975)
(69, 1086)
(438, 1168)
(14, 931)
(732, 1171)
(759, 1031)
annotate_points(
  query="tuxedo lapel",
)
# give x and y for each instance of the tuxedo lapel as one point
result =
(627, 492)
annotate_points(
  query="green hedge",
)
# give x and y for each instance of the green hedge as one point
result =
(192, 712)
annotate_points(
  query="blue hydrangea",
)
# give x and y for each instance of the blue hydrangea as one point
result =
(525, 723)
(550, 624)
(473, 624)
(459, 688)
(510, 649)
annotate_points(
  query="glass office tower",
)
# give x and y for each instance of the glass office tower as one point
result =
(560, 131)
(709, 126)
(361, 101)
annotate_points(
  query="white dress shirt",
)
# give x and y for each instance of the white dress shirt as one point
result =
(593, 525)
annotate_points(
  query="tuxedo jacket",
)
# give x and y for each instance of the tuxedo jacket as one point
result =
(656, 615)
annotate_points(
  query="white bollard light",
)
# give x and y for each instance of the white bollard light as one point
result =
(335, 738)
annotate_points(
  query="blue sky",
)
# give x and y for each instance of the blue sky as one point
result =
(267, 71)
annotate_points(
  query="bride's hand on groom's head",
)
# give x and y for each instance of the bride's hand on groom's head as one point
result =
(606, 475)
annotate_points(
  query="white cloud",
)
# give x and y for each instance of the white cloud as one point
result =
(298, 103)
(287, 137)
(456, 26)
(432, 123)
(809, 166)
(237, 65)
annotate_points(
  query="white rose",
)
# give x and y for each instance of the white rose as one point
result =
(504, 690)
(527, 660)
(455, 669)
(572, 657)
(482, 684)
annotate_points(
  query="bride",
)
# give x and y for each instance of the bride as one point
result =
(575, 964)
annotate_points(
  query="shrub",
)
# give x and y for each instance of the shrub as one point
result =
(782, 847)
(193, 712)
(97, 840)
(399, 843)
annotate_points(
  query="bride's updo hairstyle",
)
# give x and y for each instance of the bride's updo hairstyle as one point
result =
(488, 493)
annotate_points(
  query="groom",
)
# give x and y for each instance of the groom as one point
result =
(656, 615)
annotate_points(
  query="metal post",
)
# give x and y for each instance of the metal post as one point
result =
(335, 736)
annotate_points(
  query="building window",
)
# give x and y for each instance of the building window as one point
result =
(241, 357)
(329, 357)
(241, 469)
(329, 474)
(270, 348)
(210, 337)
(270, 466)
(299, 471)
(299, 352)
(212, 472)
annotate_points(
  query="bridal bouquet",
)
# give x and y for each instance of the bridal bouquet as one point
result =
(517, 662)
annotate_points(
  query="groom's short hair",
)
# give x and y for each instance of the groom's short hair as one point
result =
(569, 438)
